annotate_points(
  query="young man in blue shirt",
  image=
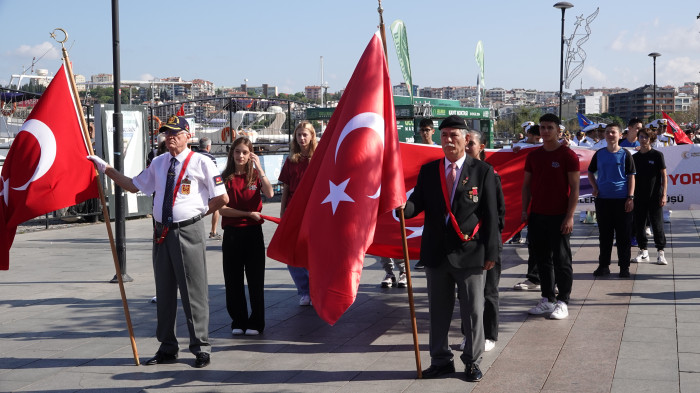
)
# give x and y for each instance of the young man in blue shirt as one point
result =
(611, 174)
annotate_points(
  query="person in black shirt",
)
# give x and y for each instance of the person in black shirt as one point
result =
(649, 196)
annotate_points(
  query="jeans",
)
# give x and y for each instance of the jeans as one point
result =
(301, 279)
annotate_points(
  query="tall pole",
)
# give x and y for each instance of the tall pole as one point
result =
(563, 5)
(654, 55)
(697, 119)
(404, 239)
(119, 208)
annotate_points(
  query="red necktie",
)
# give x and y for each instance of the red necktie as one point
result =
(451, 176)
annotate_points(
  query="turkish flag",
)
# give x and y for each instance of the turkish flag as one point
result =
(680, 137)
(354, 176)
(45, 169)
(181, 111)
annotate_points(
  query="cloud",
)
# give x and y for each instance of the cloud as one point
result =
(45, 49)
(592, 75)
(664, 38)
(676, 71)
(636, 43)
(147, 77)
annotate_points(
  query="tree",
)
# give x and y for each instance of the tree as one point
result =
(508, 125)
(686, 117)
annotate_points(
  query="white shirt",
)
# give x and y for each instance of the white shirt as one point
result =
(201, 173)
(586, 142)
(600, 144)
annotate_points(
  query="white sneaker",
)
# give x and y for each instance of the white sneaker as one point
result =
(389, 281)
(305, 300)
(642, 256)
(526, 285)
(543, 307)
(463, 344)
(661, 259)
(648, 232)
(251, 332)
(237, 332)
(403, 281)
(561, 311)
(489, 345)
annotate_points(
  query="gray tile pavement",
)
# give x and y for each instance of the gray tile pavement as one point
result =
(62, 326)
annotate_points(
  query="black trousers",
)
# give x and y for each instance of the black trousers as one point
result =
(493, 277)
(244, 255)
(552, 252)
(533, 272)
(651, 209)
(614, 223)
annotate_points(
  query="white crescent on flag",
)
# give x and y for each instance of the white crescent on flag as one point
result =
(47, 145)
(366, 119)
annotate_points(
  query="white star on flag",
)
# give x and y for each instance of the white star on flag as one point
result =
(337, 194)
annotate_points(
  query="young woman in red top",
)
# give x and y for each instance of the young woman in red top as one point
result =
(301, 150)
(243, 245)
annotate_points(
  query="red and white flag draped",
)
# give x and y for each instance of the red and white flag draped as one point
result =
(354, 176)
(45, 169)
(678, 135)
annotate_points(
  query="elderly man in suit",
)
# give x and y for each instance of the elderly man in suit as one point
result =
(460, 241)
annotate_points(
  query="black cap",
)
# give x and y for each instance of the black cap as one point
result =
(454, 121)
(175, 124)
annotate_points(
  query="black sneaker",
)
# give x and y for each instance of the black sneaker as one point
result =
(624, 272)
(601, 271)
(419, 266)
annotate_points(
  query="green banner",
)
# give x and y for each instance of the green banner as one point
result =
(398, 31)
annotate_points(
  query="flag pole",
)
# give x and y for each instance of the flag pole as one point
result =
(404, 240)
(381, 30)
(105, 212)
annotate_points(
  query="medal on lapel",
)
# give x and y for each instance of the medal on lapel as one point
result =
(474, 193)
(185, 189)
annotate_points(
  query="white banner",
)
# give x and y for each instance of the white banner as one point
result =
(683, 169)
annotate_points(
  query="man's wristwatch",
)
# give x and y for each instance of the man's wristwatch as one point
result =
(630, 197)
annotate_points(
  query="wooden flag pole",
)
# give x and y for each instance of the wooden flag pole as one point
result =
(105, 212)
(416, 345)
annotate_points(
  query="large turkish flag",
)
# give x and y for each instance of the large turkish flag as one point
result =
(46, 168)
(354, 176)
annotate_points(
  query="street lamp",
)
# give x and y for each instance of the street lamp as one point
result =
(654, 55)
(562, 5)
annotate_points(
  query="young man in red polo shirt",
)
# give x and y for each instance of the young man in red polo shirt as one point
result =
(550, 189)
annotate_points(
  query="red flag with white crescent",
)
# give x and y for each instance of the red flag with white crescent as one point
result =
(354, 176)
(46, 168)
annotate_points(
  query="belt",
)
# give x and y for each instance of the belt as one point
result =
(181, 224)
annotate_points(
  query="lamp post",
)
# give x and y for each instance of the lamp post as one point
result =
(562, 5)
(697, 120)
(654, 55)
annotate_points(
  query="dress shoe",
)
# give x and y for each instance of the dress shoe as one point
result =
(473, 373)
(435, 371)
(161, 358)
(203, 360)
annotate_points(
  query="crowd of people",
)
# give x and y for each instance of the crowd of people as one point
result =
(462, 199)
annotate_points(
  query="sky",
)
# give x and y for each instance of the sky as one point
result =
(281, 42)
